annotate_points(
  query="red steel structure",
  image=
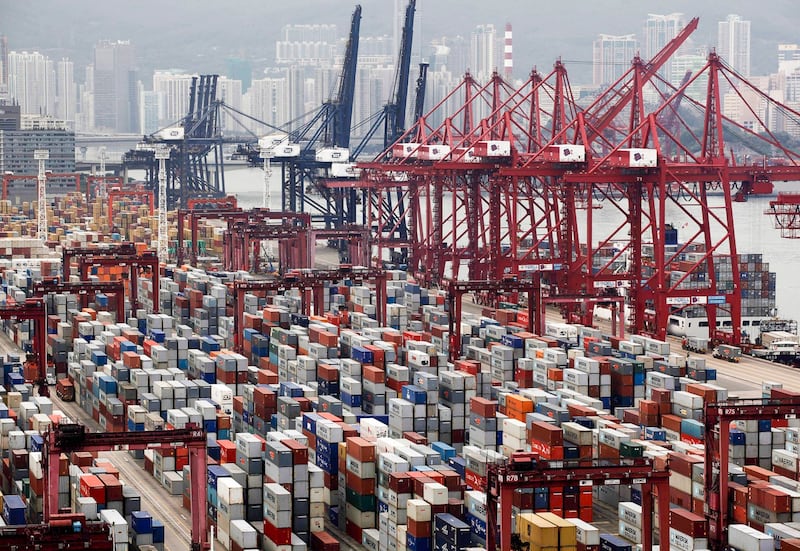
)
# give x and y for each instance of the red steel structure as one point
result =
(526, 470)
(117, 193)
(32, 309)
(358, 238)
(60, 533)
(85, 289)
(717, 419)
(124, 255)
(197, 207)
(312, 284)
(785, 209)
(583, 195)
(242, 245)
(8, 178)
(243, 238)
(93, 184)
(68, 438)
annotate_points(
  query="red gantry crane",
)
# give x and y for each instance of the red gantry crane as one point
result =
(521, 189)
(32, 309)
(124, 255)
(312, 284)
(85, 289)
(69, 437)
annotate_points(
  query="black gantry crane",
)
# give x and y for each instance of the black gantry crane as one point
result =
(325, 143)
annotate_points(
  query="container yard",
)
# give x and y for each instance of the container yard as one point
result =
(323, 425)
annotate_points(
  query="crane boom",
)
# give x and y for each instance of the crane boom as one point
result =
(396, 110)
(422, 83)
(343, 104)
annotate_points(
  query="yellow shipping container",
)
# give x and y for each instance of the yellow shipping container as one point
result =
(567, 532)
(534, 529)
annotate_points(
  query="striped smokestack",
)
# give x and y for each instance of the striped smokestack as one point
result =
(508, 57)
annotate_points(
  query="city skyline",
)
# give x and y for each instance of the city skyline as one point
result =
(116, 95)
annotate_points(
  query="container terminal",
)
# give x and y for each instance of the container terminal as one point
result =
(410, 353)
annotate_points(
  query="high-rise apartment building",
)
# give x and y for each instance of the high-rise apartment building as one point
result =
(658, 31)
(788, 58)
(733, 43)
(611, 57)
(307, 45)
(66, 92)
(483, 52)
(3, 61)
(115, 91)
(149, 110)
(267, 100)
(32, 82)
(173, 90)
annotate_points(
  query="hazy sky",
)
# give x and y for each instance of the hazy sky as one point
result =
(198, 35)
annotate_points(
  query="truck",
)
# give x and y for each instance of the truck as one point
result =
(65, 390)
(695, 344)
(727, 352)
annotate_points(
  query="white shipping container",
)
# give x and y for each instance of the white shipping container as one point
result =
(229, 491)
(745, 538)
(418, 510)
(630, 513)
(435, 493)
(585, 533)
(244, 534)
(679, 541)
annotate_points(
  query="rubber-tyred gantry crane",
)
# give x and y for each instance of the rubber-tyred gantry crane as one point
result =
(32, 309)
(124, 255)
(9, 178)
(717, 420)
(248, 229)
(457, 289)
(527, 470)
(117, 192)
(69, 437)
(85, 289)
(312, 284)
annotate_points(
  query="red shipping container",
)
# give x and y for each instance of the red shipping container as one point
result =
(419, 529)
(361, 486)
(353, 530)
(279, 536)
(415, 438)
(547, 433)
(299, 451)
(483, 407)
(373, 374)
(323, 541)
(360, 449)
(91, 486)
(113, 487)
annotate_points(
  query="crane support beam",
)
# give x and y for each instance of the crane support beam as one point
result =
(718, 417)
(457, 289)
(67, 438)
(83, 289)
(503, 479)
(313, 282)
(32, 309)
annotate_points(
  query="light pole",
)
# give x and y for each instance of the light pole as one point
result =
(41, 155)
(162, 154)
(266, 154)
